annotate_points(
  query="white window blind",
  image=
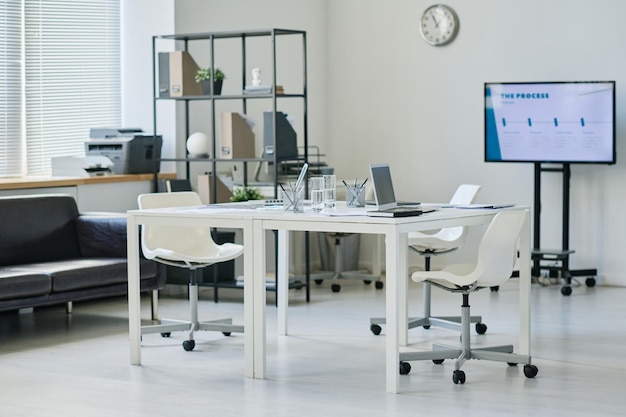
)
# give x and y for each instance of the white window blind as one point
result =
(10, 87)
(72, 76)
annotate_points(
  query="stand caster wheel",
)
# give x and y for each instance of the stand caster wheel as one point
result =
(481, 328)
(188, 345)
(495, 288)
(378, 285)
(590, 282)
(319, 281)
(167, 334)
(367, 282)
(405, 368)
(335, 287)
(566, 290)
(376, 329)
(530, 371)
(438, 361)
(226, 333)
(458, 377)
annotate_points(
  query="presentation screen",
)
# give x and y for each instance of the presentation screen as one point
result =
(560, 122)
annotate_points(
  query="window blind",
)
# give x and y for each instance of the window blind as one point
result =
(10, 87)
(72, 76)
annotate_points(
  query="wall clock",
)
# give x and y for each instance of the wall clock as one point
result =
(439, 25)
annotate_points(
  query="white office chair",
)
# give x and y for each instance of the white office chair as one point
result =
(496, 258)
(428, 245)
(185, 247)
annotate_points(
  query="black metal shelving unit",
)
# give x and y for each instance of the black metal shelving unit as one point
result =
(182, 42)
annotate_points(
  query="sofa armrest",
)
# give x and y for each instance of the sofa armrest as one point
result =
(102, 235)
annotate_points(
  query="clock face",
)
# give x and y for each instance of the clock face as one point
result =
(439, 25)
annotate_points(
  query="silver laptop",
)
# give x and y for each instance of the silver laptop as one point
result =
(386, 202)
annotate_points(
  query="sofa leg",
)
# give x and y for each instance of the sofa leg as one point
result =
(154, 302)
(68, 307)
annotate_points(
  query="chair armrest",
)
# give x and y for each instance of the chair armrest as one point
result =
(102, 235)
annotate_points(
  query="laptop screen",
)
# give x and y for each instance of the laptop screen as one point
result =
(383, 186)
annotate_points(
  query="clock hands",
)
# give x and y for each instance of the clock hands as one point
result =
(434, 20)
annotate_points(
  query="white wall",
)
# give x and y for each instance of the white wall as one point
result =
(378, 92)
(397, 99)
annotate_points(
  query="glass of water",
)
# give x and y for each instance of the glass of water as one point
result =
(330, 191)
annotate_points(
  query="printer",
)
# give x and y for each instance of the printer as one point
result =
(129, 149)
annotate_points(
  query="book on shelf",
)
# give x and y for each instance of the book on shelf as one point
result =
(262, 89)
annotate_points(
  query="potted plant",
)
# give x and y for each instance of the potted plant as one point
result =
(203, 76)
(245, 194)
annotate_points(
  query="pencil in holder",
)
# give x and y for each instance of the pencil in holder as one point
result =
(293, 200)
(355, 195)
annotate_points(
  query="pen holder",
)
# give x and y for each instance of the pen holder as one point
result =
(355, 196)
(293, 200)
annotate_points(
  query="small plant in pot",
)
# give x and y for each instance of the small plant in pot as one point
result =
(203, 76)
(245, 194)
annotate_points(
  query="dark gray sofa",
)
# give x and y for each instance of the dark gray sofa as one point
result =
(50, 253)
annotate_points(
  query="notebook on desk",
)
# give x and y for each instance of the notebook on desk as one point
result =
(386, 203)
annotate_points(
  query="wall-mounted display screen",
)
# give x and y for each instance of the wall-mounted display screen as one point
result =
(560, 122)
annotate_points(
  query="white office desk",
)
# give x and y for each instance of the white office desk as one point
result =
(254, 223)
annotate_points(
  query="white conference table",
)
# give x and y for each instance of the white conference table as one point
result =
(254, 223)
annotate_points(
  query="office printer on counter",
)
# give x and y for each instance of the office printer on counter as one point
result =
(130, 150)
(82, 167)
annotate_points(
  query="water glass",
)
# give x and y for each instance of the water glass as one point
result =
(330, 191)
(317, 200)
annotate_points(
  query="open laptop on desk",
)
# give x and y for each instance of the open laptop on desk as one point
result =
(387, 205)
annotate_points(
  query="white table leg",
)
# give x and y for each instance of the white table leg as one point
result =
(258, 315)
(524, 293)
(249, 285)
(134, 296)
(282, 276)
(396, 261)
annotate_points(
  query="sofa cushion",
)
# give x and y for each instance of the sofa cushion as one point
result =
(37, 229)
(83, 273)
(20, 284)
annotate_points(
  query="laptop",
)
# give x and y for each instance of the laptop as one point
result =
(387, 205)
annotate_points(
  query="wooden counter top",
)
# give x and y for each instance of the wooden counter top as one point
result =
(46, 182)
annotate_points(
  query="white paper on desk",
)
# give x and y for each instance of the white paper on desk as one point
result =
(346, 212)
(483, 206)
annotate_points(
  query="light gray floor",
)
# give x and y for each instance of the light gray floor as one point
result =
(52, 364)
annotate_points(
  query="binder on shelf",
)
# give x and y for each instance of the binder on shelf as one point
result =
(177, 71)
(164, 74)
(204, 190)
(237, 137)
(286, 138)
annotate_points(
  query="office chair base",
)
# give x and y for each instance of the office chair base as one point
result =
(363, 275)
(447, 322)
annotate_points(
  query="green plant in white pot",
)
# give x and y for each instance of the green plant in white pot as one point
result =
(204, 77)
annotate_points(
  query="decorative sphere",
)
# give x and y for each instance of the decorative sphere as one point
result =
(198, 144)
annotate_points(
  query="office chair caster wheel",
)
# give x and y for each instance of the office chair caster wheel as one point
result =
(167, 334)
(511, 363)
(426, 326)
(438, 361)
(590, 282)
(458, 377)
(378, 285)
(188, 345)
(226, 333)
(566, 290)
(319, 281)
(376, 329)
(495, 288)
(481, 328)
(367, 282)
(530, 371)
(335, 287)
(405, 368)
